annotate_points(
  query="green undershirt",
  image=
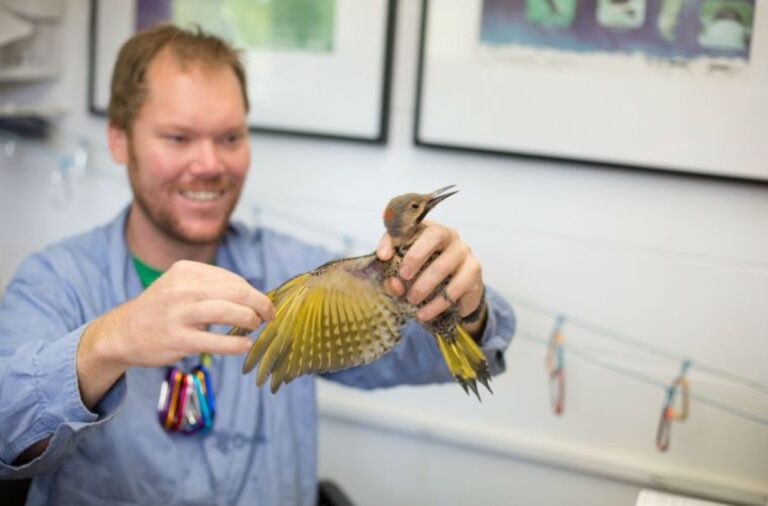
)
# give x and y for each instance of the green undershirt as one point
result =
(147, 274)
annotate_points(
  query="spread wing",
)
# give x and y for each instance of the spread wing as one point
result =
(332, 318)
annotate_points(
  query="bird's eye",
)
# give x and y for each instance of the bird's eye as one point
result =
(414, 205)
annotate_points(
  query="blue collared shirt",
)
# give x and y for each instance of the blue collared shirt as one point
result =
(262, 449)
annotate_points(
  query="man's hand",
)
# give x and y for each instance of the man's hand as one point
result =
(455, 260)
(168, 322)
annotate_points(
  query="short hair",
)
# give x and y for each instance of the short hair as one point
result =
(129, 77)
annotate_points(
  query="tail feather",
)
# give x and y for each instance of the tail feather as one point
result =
(485, 380)
(465, 360)
(475, 356)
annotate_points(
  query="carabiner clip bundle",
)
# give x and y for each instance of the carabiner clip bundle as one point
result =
(669, 413)
(186, 402)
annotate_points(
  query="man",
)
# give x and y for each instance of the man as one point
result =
(82, 344)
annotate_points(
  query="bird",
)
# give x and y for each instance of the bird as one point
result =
(339, 315)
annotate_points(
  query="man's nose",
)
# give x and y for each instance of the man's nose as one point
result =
(207, 158)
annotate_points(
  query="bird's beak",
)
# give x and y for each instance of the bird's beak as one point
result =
(440, 195)
(436, 197)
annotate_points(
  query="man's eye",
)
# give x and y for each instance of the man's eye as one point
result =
(232, 138)
(178, 139)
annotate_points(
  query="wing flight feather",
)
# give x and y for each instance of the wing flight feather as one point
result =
(332, 318)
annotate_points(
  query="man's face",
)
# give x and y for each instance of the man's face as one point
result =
(187, 150)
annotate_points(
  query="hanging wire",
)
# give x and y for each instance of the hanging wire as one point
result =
(649, 380)
(604, 333)
(348, 246)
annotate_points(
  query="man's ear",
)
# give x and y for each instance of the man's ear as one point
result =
(117, 138)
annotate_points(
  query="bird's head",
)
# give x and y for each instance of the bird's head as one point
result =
(404, 213)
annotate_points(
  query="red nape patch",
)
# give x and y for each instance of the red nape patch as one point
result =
(388, 214)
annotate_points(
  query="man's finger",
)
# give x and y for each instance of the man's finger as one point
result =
(217, 344)
(433, 308)
(440, 268)
(212, 282)
(240, 292)
(394, 287)
(223, 312)
(384, 250)
(465, 288)
(434, 238)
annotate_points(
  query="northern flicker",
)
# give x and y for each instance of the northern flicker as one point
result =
(339, 315)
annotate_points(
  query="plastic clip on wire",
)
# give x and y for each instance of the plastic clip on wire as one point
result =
(668, 412)
(554, 363)
(186, 403)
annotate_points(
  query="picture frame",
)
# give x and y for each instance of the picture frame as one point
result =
(499, 76)
(321, 70)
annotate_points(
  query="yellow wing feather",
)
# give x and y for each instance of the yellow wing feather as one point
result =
(335, 317)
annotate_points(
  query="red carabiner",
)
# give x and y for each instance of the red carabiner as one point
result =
(557, 390)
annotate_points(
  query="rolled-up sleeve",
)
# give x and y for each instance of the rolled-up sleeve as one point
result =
(39, 393)
(499, 330)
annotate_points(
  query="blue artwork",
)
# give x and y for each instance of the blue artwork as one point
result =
(664, 29)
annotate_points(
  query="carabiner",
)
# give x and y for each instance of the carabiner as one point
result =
(174, 378)
(664, 432)
(557, 390)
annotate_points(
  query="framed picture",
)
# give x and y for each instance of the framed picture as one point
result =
(318, 68)
(670, 85)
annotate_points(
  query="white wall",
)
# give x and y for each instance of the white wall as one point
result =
(676, 262)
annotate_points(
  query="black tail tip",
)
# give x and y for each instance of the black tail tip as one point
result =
(471, 384)
(485, 380)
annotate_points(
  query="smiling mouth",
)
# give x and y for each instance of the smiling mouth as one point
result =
(202, 196)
